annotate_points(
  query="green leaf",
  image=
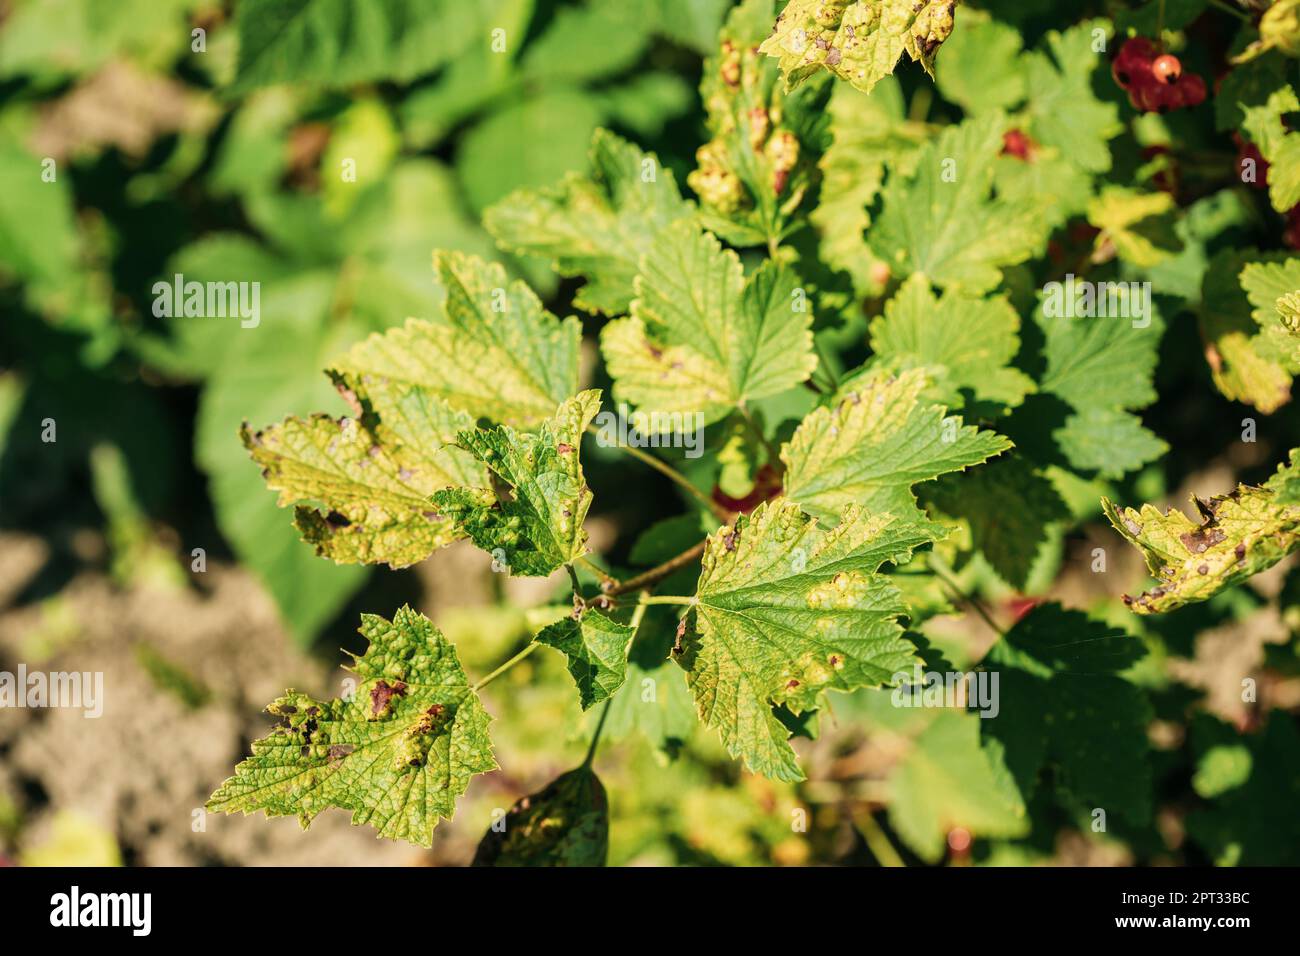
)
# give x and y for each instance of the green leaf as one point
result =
(596, 647)
(1280, 146)
(564, 824)
(963, 342)
(373, 474)
(597, 227)
(943, 220)
(654, 699)
(1063, 702)
(1255, 824)
(585, 43)
(868, 131)
(337, 43)
(786, 610)
(397, 754)
(1063, 111)
(948, 780)
(858, 40)
(1237, 536)
(486, 323)
(536, 526)
(980, 68)
(1009, 507)
(702, 339)
(878, 439)
(491, 162)
(1100, 344)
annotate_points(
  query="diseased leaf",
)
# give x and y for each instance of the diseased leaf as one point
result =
(1238, 535)
(761, 158)
(858, 40)
(492, 353)
(373, 474)
(1279, 145)
(942, 219)
(703, 339)
(596, 647)
(564, 824)
(397, 754)
(878, 439)
(786, 610)
(597, 227)
(534, 525)
(964, 343)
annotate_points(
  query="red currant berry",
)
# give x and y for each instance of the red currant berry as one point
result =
(1166, 68)
(1016, 143)
(1193, 89)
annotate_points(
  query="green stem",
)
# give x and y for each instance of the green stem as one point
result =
(532, 646)
(655, 574)
(637, 616)
(671, 599)
(969, 599)
(877, 841)
(603, 576)
(671, 473)
(595, 738)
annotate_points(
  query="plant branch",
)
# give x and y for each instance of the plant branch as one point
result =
(655, 574)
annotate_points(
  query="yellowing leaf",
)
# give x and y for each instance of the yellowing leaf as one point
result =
(397, 752)
(878, 439)
(372, 475)
(786, 610)
(702, 339)
(492, 353)
(1238, 535)
(858, 40)
(1137, 223)
(535, 525)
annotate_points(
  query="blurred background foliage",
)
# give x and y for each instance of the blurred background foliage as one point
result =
(174, 159)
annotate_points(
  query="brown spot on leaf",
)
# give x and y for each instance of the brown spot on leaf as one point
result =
(1202, 539)
(381, 697)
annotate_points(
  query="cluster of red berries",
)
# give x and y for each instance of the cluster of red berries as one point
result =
(1155, 81)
